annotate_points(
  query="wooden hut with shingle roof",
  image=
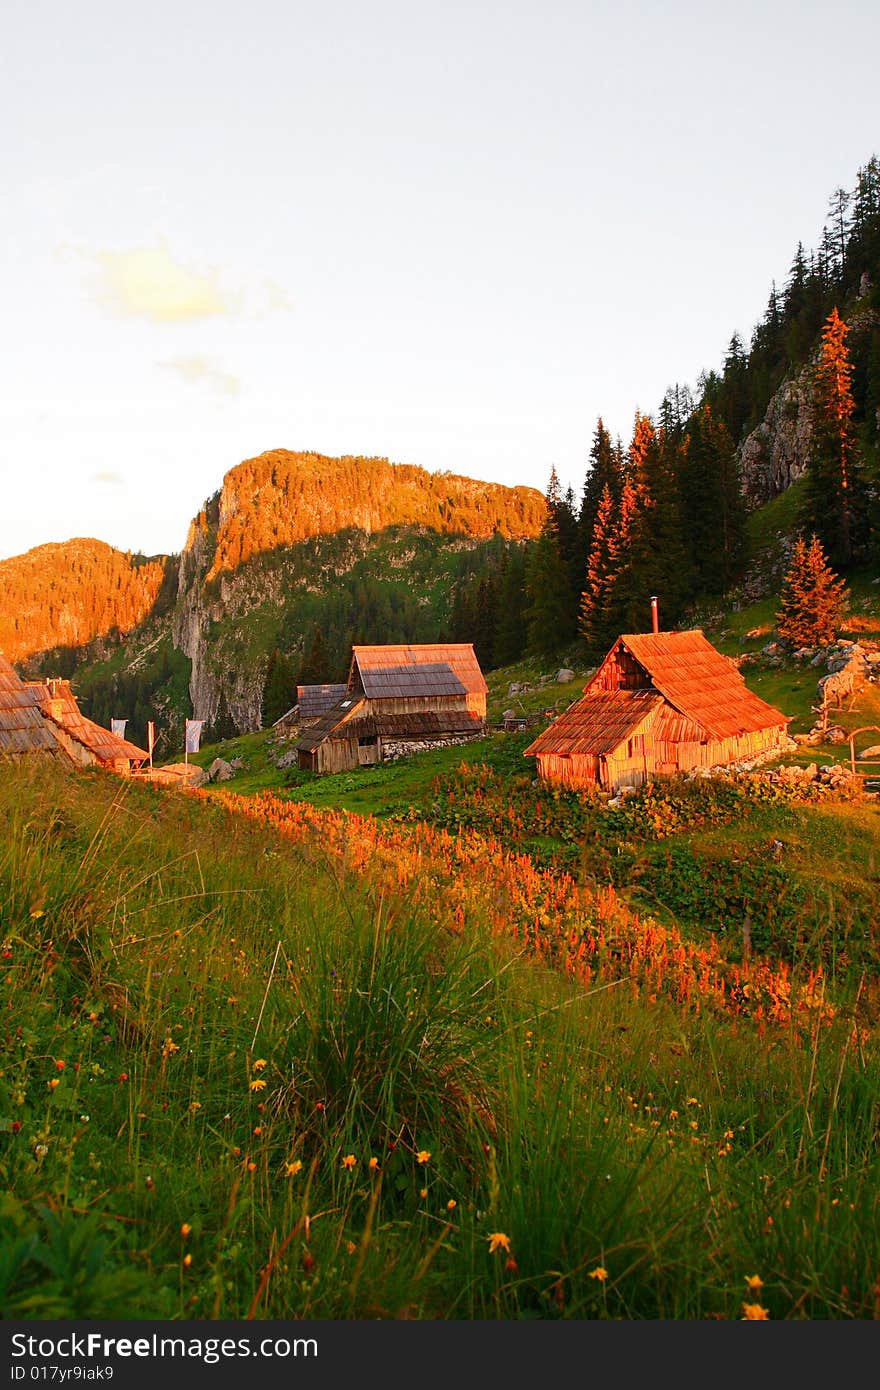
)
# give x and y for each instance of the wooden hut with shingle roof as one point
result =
(23, 728)
(398, 697)
(660, 703)
(87, 744)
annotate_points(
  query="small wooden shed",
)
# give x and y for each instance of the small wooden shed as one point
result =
(660, 703)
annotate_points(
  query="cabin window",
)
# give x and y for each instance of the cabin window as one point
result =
(636, 746)
(368, 741)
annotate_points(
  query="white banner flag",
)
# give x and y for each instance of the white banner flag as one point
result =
(117, 726)
(151, 736)
(193, 734)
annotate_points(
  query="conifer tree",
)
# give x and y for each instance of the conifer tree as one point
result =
(605, 469)
(835, 504)
(713, 510)
(812, 597)
(601, 574)
(223, 725)
(279, 687)
(316, 660)
(510, 635)
(656, 562)
(549, 614)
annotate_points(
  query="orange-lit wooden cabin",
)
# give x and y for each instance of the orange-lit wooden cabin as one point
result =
(660, 703)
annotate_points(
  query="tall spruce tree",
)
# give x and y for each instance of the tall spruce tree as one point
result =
(315, 666)
(601, 575)
(605, 469)
(279, 687)
(812, 597)
(835, 505)
(510, 633)
(712, 505)
(656, 562)
(549, 614)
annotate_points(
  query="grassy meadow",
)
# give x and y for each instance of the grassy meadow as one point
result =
(261, 1058)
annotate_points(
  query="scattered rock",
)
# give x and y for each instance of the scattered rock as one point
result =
(288, 759)
(564, 675)
(220, 771)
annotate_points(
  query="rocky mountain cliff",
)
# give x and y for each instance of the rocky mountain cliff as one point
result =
(774, 455)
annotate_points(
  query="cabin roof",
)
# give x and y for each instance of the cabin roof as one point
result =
(103, 743)
(22, 727)
(596, 724)
(329, 722)
(698, 681)
(315, 700)
(458, 659)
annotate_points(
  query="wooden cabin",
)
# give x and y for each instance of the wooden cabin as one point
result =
(23, 728)
(398, 697)
(660, 703)
(86, 743)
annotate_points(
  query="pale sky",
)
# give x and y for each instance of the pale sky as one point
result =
(450, 235)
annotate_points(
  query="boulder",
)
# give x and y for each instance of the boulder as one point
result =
(220, 771)
(564, 675)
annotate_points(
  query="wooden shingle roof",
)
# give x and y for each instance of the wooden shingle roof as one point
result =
(315, 700)
(22, 727)
(597, 723)
(59, 705)
(367, 664)
(329, 723)
(699, 682)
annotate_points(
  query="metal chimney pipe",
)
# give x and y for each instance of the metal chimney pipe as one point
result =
(655, 618)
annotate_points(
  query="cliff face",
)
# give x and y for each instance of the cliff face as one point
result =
(775, 454)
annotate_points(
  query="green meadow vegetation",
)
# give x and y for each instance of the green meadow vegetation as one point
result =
(243, 1077)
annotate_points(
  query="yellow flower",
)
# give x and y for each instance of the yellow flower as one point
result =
(259, 1064)
(423, 1155)
(423, 1193)
(753, 1312)
(349, 1161)
(498, 1241)
(451, 1204)
(185, 1229)
(291, 1169)
(600, 1273)
(187, 1261)
(258, 1085)
(754, 1283)
(373, 1164)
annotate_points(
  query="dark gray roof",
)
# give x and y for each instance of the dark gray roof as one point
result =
(402, 682)
(315, 700)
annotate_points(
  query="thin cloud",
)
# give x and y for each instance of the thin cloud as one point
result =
(199, 370)
(148, 283)
(107, 478)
